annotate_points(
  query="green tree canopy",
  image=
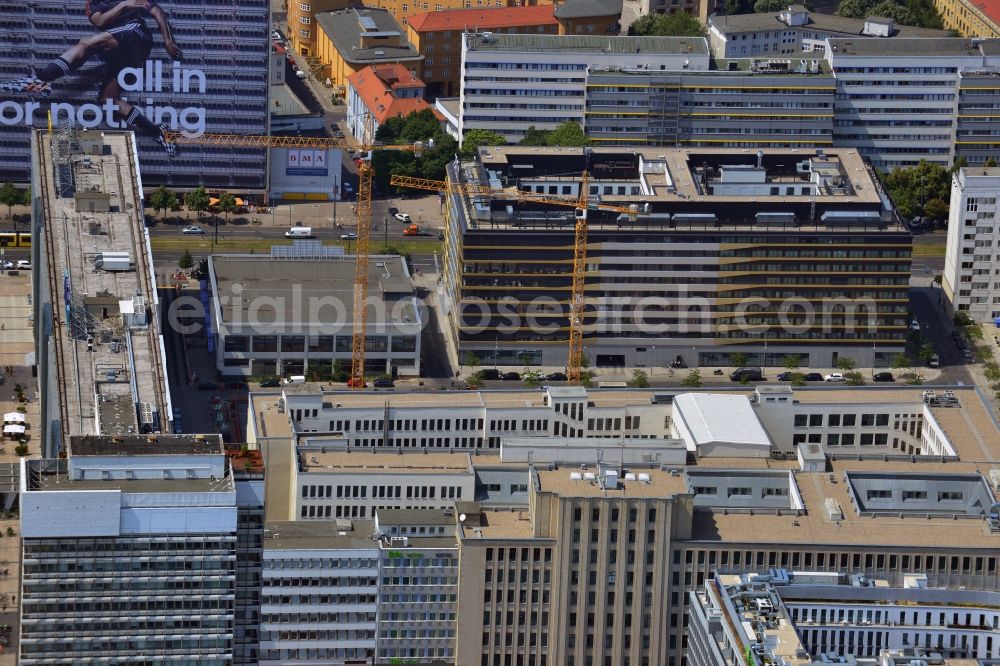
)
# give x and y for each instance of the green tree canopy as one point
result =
(534, 137)
(769, 6)
(692, 380)
(681, 24)
(162, 199)
(921, 13)
(186, 261)
(473, 139)
(568, 133)
(197, 200)
(406, 130)
(227, 204)
(912, 188)
(639, 379)
(936, 209)
(9, 196)
(733, 7)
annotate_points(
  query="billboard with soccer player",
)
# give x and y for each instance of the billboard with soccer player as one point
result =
(151, 66)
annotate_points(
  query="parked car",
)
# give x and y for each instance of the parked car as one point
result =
(402, 217)
(834, 377)
(383, 383)
(883, 377)
(193, 231)
(393, 210)
(271, 382)
(915, 326)
(7, 265)
(785, 377)
(556, 377)
(490, 373)
(966, 353)
(349, 236)
(511, 376)
(934, 361)
(750, 374)
(236, 385)
(814, 377)
(347, 186)
(23, 265)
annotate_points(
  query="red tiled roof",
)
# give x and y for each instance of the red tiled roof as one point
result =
(375, 85)
(991, 8)
(484, 19)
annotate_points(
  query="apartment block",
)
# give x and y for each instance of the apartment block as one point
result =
(896, 99)
(807, 618)
(971, 279)
(741, 104)
(968, 18)
(511, 82)
(348, 40)
(697, 272)
(796, 31)
(130, 548)
(437, 35)
(289, 314)
(404, 10)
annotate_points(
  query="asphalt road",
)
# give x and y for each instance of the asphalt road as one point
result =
(936, 328)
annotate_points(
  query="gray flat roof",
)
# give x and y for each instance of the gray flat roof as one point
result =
(319, 534)
(587, 8)
(345, 28)
(910, 46)
(415, 517)
(587, 44)
(740, 23)
(93, 445)
(258, 288)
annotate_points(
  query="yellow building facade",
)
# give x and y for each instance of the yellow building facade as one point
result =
(971, 19)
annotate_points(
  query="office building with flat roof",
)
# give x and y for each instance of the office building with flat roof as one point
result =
(361, 591)
(291, 314)
(796, 31)
(768, 88)
(501, 71)
(596, 512)
(971, 279)
(720, 242)
(815, 618)
(130, 548)
(100, 356)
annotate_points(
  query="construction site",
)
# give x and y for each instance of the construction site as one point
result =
(99, 349)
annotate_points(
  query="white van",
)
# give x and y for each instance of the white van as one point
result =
(299, 232)
(295, 379)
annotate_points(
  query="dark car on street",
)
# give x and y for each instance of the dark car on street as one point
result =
(883, 377)
(814, 377)
(490, 373)
(510, 376)
(556, 377)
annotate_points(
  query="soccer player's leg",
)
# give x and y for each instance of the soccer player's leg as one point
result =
(40, 83)
(132, 118)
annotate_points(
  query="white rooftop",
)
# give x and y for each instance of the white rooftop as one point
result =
(718, 424)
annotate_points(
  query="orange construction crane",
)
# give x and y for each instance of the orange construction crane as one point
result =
(581, 203)
(364, 209)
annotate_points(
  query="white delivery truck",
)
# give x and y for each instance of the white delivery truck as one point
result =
(299, 232)
(113, 261)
